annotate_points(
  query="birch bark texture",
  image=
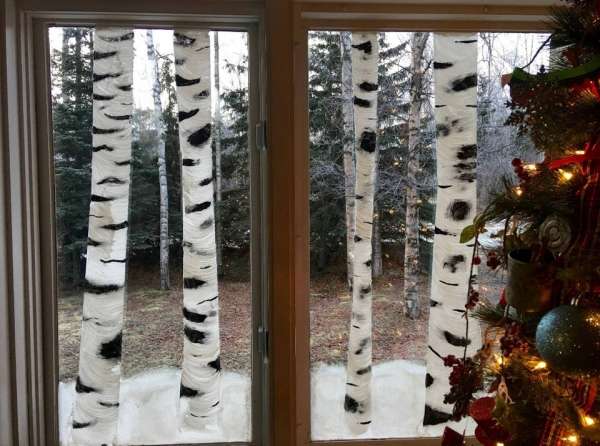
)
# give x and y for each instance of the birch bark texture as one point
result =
(201, 368)
(412, 269)
(349, 165)
(455, 75)
(96, 407)
(357, 402)
(157, 122)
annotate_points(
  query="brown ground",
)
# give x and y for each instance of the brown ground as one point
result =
(152, 333)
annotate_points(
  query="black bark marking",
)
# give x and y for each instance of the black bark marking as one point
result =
(365, 290)
(366, 47)
(183, 40)
(357, 238)
(101, 77)
(82, 388)
(194, 336)
(208, 300)
(442, 65)
(205, 182)
(182, 115)
(368, 86)
(216, 364)
(93, 288)
(111, 180)
(448, 283)
(352, 384)
(444, 186)
(102, 147)
(99, 97)
(439, 231)
(363, 343)
(100, 199)
(433, 416)
(112, 348)
(197, 207)
(123, 163)
(368, 141)
(468, 177)
(92, 242)
(118, 117)
(364, 371)
(442, 130)
(97, 131)
(114, 261)
(457, 341)
(440, 106)
(193, 283)
(200, 137)
(365, 422)
(105, 404)
(189, 162)
(120, 38)
(452, 262)
(194, 317)
(464, 83)
(116, 226)
(466, 41)
(124, 87)
(467, 151)
(103, 55)
(185, 391)
(206, 223)
(428, 380)
(361, 102)
(459, 210)
(202, 95)
(350, 404)
(216, 404)
(433, 303)
(358, 197)
(368, 262)
(183, 82)
(78, 425)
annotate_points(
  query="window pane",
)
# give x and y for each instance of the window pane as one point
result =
(153, 328)
(403, 215)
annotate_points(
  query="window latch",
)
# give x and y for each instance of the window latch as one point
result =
(261, 135)
(263, 341)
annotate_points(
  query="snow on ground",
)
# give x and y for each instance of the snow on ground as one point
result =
(149, 404)
(398, 403)
(149, 414)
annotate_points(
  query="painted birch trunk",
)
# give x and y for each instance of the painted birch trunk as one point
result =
(349, 165)
(96, 407)
(201, 368)
(412, 268)
(162, 164)
(455, 72)
(357, 403)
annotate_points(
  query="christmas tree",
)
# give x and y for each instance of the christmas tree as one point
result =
(535, 381)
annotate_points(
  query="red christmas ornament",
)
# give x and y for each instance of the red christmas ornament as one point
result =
(481, 409)
(452, 438)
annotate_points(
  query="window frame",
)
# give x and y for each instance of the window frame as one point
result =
(382, 17)
(35, 376)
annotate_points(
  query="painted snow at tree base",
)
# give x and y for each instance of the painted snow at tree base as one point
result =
(96, 408)
(357, 403)
(455, 74)
(201, 369)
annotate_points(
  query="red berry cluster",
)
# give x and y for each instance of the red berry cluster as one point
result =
(513, 340)
(473, 299)
(465, 380)
(493, 261)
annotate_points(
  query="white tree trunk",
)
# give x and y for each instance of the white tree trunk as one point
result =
(349, 166)
(412, 268)
(455, 71)
(217, 138)
(201, 369)
(162, 164)
(357, 403)
(95, 412)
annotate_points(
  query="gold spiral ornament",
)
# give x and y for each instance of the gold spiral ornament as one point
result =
(555, 234)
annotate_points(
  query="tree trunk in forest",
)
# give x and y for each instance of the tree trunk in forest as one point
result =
(201, 368)
(411, 238)
(377, 263)
(455, 72)
(349, 164)
(217, 138)
(96, 407)
(157, 123)
(357, 402)
(63, 63)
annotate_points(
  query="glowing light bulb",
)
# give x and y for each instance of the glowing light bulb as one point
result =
(566, 174)
(531, 167)
(579, 152)
(572, 439)
(588, 421)
(540, 365)
(518, 191)
(499, 444)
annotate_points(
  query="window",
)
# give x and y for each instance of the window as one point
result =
(402, 398)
